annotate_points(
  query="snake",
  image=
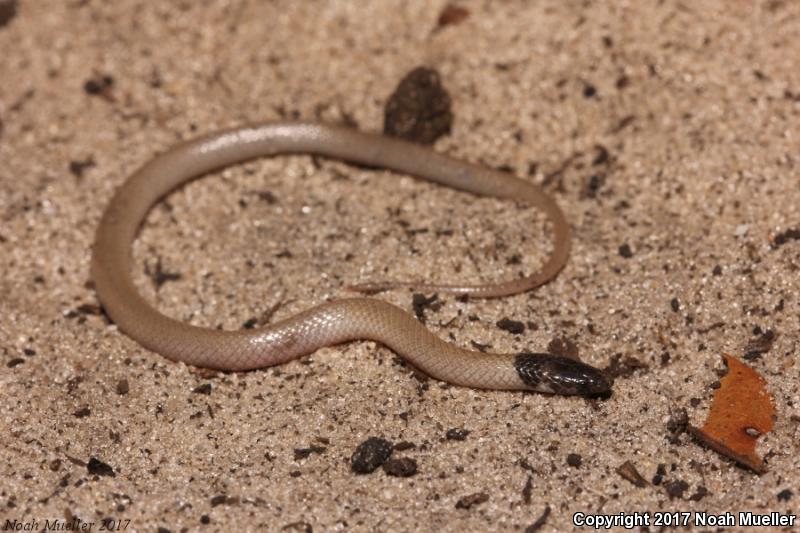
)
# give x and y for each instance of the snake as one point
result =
(340, 320)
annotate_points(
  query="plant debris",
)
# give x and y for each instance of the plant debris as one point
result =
(741, 411)
(159, 276)
(629, 472)
(760, 345)
(539, 521)
(471, 500)
(304, 453)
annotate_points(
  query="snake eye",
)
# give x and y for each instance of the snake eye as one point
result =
(555, 374)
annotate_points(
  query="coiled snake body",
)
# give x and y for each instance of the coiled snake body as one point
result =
(341, 320)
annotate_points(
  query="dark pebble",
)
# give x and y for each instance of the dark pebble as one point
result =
(402, 467)
(574, 460)
(785, 495)
(77, 168)
(370, 454)
(123, 387)
(419, 109)
(625, 251)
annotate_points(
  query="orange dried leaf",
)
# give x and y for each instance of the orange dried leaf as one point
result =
(741, 411)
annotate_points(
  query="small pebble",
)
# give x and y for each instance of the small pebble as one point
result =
(370, 454)
(402, 467)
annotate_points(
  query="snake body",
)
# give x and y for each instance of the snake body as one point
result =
(340, 320)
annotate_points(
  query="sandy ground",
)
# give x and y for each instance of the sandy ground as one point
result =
(668, 131)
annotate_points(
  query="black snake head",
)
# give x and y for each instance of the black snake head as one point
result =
(554, 374)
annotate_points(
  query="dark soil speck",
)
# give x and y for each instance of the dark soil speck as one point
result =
(675, 489)
(99, 468)
(451, 15)
(456, 434)
(421, 303)
(98, 85)
(303, 453)
(473, 499)
(625, 251)
(8, 10)
(512, 326)
(205, 388)
(122, 387)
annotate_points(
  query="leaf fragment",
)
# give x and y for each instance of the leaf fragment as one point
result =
(742, 410)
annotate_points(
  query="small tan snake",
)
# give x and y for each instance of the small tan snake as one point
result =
(340, 320)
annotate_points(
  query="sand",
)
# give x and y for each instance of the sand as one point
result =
(667, 131)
